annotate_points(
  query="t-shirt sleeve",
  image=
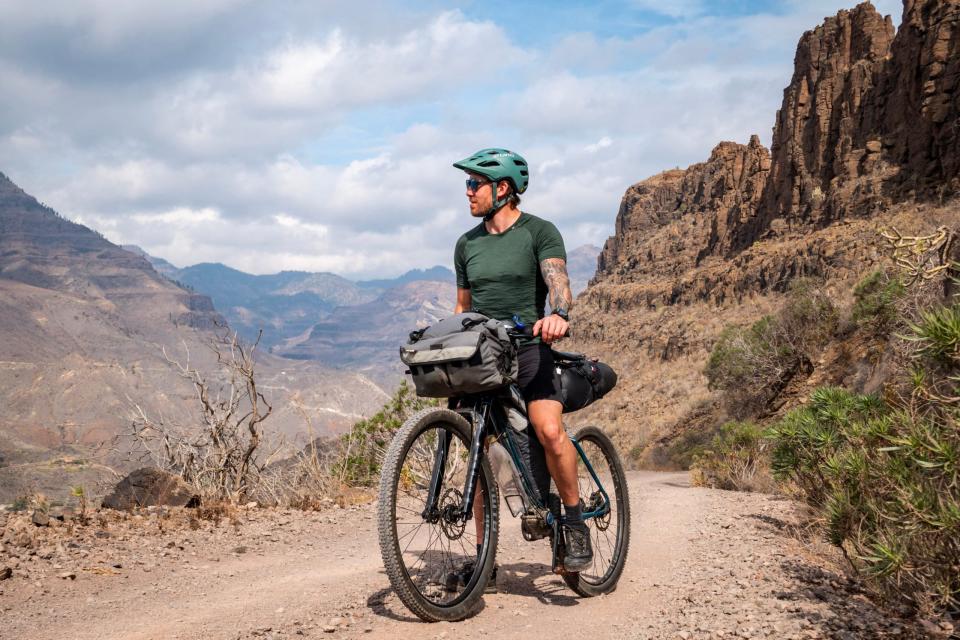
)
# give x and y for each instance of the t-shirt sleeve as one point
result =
(549, 243)
(460, 263)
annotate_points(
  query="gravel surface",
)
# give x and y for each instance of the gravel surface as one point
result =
(703, 564)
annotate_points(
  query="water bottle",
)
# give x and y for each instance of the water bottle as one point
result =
(506, 476)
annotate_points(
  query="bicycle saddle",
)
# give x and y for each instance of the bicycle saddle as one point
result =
(566, 355)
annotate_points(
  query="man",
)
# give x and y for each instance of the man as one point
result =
(509, 265)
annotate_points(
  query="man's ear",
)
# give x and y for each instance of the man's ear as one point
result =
(503, 189)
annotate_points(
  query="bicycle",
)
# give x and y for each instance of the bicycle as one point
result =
(438, 463)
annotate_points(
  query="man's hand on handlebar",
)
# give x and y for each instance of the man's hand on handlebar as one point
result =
(551, 328)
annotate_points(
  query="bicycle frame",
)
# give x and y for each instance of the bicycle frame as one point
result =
(486, 422)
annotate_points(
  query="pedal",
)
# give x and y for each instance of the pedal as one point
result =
(534, 526)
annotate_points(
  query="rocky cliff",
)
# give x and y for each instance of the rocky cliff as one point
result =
(866, 136)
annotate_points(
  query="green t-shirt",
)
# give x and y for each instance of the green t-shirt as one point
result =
(502, 270)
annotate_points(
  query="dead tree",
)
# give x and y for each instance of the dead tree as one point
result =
(221, 456)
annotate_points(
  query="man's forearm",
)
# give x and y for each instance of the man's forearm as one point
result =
(558, 283)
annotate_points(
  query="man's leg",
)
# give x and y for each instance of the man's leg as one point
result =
(545, 416)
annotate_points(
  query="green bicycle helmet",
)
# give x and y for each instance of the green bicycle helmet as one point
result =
(496, 165)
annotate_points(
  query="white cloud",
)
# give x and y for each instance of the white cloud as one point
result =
(322, 139)
(602, 143)
(672, 8)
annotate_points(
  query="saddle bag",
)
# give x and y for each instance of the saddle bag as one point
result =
(465, 353)
(583, 380)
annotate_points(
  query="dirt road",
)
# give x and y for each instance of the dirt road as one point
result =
(703, 564)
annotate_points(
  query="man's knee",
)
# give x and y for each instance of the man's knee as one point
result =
(551, 433)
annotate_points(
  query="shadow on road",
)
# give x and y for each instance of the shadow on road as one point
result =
(851, 612)
(520, 579)
(525, 579)
(377, 602)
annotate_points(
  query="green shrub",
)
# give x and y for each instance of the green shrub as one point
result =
(887, 482)
(363, 447)
(876, 299)
(751, 364)
(741, 356)
(937, 335)
(807, 319)
(737, 458)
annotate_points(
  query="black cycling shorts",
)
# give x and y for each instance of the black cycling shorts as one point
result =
(538, 378)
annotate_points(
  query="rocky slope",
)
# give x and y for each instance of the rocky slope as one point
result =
(84, 324)
(866, 137)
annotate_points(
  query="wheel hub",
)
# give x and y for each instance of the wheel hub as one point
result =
(451, 508)
(596, 504)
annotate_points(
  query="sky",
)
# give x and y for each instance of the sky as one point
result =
(319, 136)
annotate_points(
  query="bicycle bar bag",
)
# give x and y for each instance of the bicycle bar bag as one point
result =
(583, 380)
(465, 353)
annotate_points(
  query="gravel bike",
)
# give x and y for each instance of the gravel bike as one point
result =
(439, 462)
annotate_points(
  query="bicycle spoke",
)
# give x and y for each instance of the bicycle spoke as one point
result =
(434, 547)
(604, 542)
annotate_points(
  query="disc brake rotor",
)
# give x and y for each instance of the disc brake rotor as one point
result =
(451, 505)
(596, 503)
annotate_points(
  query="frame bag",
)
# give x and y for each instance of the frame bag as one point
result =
(465, 353)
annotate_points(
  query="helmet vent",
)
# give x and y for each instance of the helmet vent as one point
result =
(490, 163)
(520, 163)
(523, 172)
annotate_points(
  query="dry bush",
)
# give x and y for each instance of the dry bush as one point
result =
(222, 457)
(737, 458)
(306, 480)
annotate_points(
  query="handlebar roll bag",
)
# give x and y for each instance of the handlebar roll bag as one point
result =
(465, 353)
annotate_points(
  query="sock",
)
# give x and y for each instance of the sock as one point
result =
(479, 547)
(572, 514)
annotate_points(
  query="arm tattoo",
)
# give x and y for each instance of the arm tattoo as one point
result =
(555, 275)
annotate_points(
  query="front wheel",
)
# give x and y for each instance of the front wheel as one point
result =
(610, 532)
(431, 558)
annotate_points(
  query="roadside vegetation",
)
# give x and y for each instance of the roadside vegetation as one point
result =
(230, 458)
(752, 365)
(881, 472)
(343, 468)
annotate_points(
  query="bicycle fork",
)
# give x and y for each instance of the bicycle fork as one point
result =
(430, 511)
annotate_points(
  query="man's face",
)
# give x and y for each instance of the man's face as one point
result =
(481, 198)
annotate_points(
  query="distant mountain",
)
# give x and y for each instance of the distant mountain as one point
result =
(160, 265)
(433, 274)
(582, 266)
(83, 324)
(339, 322)
(365, 338)
(286, 304)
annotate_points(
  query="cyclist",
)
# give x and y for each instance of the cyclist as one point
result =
(510, 265)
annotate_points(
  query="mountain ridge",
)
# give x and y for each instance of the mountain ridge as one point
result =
(719, 242)
(85, 324)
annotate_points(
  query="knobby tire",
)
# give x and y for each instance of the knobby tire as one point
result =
(469, 601)
(613, 555)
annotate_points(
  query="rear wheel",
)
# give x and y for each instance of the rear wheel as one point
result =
(610, 532)
(424, 554)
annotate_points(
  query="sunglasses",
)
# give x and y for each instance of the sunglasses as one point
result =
(473, 184)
